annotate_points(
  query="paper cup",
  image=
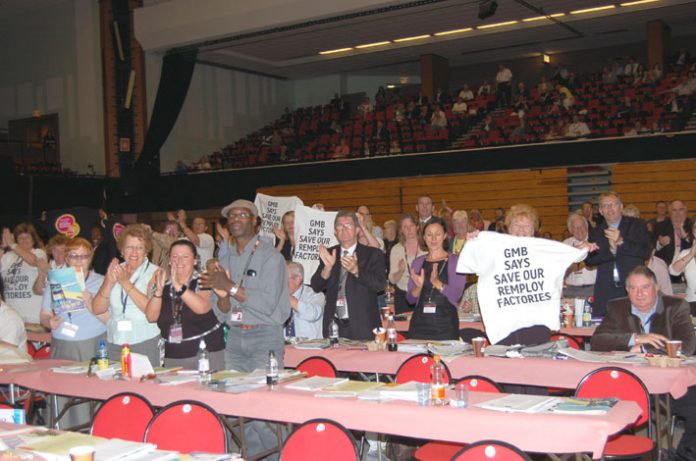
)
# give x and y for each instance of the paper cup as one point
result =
(82, 453)
(478, 344)
(674, 349)
(380, 335)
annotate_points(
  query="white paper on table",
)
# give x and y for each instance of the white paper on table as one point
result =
(604, 357)
(140, 365)
(315, 383)
(519, 403)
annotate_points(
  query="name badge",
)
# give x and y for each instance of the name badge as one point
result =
(340, 301)
(429, 308)
(124, 325)
(68, 329)
(236, 315)
(176, 333)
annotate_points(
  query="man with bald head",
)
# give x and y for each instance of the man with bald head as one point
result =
(673, 235)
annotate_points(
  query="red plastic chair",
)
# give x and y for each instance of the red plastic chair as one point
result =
(477, 383)
(187, 426)
(123, 416)
(417, 368)
(490, 450)
(43, 352)
(319, 439)
(624, 385)
(572, 340)
(317, 366)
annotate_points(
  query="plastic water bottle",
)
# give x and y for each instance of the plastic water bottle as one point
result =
(587, 315)
(437, 382)
(333, 333)
(203, 362)
(126, 361)
(272, 370)
(391, 335)
(102, 356)
(460, 399)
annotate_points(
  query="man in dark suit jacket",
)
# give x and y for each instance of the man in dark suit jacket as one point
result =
(351, 275)
(673, 235)
(624, 243)
(646, 319)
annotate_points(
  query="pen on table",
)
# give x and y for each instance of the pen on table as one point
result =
(629, 356)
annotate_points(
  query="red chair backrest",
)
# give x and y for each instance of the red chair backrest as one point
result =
(123, 416)
(319, 439)
(572, 340)
(619, 383)
(187, 426)
(417, 368)
(317, 366)
(490, 450)
(479, 384)
(43, 352)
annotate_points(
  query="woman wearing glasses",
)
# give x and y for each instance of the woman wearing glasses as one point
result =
(184, 312)
(75, 335)
(124, 295)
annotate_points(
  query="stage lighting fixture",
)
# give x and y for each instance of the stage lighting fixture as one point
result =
(487, 8)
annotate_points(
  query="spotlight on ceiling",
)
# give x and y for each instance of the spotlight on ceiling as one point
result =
(487, 8)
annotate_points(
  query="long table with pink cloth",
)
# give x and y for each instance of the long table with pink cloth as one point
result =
(544, 433)
(526, 371)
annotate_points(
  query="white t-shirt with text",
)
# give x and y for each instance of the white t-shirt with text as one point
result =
(520, 280)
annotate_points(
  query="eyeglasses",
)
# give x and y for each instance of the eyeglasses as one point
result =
(76, 257)
(346, 226)
(233, 216)
(606, 205)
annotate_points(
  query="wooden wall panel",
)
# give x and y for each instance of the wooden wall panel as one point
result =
(642, 184)
(388, 198)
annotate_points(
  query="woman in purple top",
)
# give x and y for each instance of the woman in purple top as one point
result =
(435, 287)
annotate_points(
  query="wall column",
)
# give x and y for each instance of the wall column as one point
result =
(434, 74)
(658, 34)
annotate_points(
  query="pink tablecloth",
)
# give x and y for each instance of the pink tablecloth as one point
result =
(544, 433)
(533, 372)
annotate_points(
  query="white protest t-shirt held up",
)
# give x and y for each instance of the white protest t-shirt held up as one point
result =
(520, 280)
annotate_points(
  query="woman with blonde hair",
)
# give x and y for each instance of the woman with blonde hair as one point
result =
(400, 259)
(124, 295)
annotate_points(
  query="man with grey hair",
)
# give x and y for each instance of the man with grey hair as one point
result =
(460, 226)
(580, 278)
(307, 306)
(673, 235)
(645, 321)
(351, 275)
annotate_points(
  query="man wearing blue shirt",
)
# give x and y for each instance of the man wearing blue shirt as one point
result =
(645, 321)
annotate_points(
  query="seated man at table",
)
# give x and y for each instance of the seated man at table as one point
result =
(307, 306)
(647, 319)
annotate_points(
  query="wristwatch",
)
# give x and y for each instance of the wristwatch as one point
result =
(233, 291)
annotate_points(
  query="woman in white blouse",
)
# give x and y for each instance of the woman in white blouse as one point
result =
(401, 258)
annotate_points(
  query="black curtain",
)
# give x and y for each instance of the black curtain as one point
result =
(177, 70)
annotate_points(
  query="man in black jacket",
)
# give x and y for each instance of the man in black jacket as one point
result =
(624, 243)
(673, 235)
(351, 275)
